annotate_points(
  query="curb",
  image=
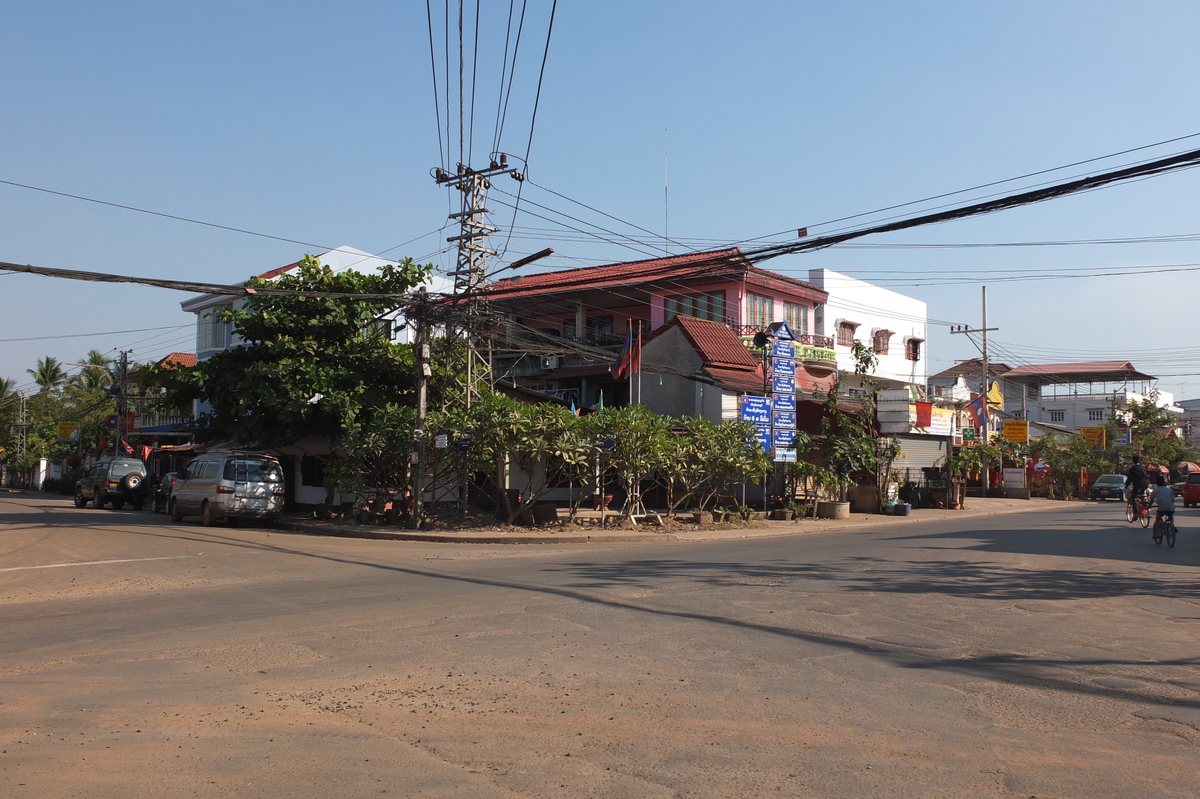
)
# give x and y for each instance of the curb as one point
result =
(856, 522)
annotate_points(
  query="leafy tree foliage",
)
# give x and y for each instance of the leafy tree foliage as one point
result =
(49, 374)
(307, 364)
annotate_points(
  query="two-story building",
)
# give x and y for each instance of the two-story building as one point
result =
(588, 312)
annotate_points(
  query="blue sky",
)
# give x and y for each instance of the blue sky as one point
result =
(316, 122)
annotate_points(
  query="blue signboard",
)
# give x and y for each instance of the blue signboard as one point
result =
(783, 349)
(763, 437)
(783, 366)
(784, 419)
(785, 438)
(783, 384)
(756, 410)
(783, 402)
(785, 455)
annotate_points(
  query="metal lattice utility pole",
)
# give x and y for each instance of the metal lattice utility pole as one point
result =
(473, 367)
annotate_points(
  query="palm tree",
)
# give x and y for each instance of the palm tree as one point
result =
(97, 371)
(8, 392)
(49, 374)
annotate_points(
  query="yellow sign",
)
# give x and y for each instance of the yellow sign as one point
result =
(1016, 431)
(1096, 436)
(68, 431)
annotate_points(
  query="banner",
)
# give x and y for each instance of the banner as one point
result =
(1096, 437)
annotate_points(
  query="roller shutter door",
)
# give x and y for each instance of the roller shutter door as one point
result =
(921, 452)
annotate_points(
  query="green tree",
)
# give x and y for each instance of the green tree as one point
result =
(49, 374)
(1065, 458)
(1150, 426)
(308, 364)
(639, 447)
(96, 371)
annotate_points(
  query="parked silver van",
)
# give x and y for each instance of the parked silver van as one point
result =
(229, 485)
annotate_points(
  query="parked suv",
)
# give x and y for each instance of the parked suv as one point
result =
(1191, 490)
(113, 481)
(229, 485)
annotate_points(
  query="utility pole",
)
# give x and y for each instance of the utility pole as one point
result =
(984, 386)
(470, 275)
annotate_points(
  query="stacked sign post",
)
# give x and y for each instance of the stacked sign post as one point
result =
(774, 416)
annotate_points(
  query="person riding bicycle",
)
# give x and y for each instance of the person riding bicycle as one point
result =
(1164, 499)
(1137, 480)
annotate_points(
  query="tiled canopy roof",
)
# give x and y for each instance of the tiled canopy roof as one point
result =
(1092, 371)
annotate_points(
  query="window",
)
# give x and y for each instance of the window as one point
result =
(797, 318)
(701, 306)
(1058, 416)
(880, 340)
(912, 349)
(212, 332)
(761, 310)
(845, 333)
(599, 326)
(1095, 414)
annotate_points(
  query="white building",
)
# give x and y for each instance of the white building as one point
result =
(213, 335)
(1077, 395)
(892, 324)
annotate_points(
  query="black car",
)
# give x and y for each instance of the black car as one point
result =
(1109, 486)
(114, 481)
(162, 492)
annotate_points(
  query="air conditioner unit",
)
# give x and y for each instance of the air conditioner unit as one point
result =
(550, 362)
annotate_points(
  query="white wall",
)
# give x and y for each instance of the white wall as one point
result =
(873, 307)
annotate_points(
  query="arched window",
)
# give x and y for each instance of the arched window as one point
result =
(880, 340)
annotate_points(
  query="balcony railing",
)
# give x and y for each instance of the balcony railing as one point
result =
(748, 331)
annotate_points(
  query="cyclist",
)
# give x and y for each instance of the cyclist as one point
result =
(1137, 480)
(1164, 499)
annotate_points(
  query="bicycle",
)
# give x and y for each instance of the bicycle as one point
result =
(1165, 528)
(1137, 511)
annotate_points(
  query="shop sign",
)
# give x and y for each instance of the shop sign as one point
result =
(1016, 431)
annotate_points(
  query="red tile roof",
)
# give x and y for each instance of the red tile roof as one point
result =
(723, 355)
(715, 343)
(729, 263)
(177, 359)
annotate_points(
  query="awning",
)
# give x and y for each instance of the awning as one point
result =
(1186, 466)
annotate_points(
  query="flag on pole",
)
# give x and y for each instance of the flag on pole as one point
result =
(630, 357)
(979, 410)
(126, 448)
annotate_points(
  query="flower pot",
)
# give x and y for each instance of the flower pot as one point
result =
(833, 510)
(608, 498)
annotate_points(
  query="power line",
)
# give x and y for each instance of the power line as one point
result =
(90, 335)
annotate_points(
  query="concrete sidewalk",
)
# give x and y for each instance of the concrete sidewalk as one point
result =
(588, 533)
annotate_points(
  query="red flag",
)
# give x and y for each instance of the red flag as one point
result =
(146, 450)
(924, 414)
(125, 447)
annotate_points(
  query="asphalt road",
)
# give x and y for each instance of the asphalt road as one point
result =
(1048, 654)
